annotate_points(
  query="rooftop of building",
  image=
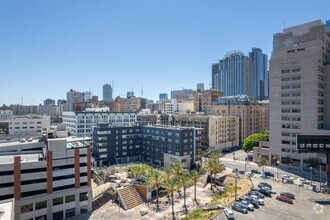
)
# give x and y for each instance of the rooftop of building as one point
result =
(97, 112)
(302, 28)
(7, 209)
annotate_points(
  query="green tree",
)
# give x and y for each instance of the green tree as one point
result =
(155, 179)
(170, 186)
(253, 140)
(194, 176)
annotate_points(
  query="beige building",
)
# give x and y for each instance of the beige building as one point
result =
(223, 132)
(253, 115)
(205, 98)
(131, 104)
(298, 78)
(262, 151)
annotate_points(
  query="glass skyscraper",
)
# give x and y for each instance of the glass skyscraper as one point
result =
(232, 74)
(259, 74)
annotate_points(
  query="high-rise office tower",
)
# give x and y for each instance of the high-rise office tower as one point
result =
(200, 87)
(299, 83)
(107, 93)
(163, 96)
(73, 97)
(232, 75)
(259, 74)
(49, 102)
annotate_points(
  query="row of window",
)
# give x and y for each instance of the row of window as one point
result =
(291, 70)
(291, 78)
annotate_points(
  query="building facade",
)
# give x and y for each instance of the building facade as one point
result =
(253, 115)
(107, 93)
(159, 145)
(175, 106)
(205, 98)
(232, 75)
(184, 94)
(163, 96)
(24, 109)
(6, 115)
(299, 86)
(73, 97)
(259, 74)
(223, 132)
(81, 124)
(200, 87)
(51, 179)
(49, 102)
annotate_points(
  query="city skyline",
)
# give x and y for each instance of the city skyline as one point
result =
(48, 49)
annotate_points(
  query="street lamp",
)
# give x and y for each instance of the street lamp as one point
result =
(311, 169)
(236, 176)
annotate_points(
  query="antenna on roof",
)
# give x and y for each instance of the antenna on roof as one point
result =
(284, 23)
(141, 90)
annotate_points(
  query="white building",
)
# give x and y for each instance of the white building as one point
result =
(81, 124)
(49, 179)
(5, 115)
(177, 106)
(29, 124)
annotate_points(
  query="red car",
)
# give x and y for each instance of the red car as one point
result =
(284, 199)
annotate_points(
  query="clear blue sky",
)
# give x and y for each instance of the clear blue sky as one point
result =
(49, 47)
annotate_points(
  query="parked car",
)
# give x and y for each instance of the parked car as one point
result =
(241, 172)
(239, 208)
(303, 181)
(249, 174)
(272, 191)
(287, 194)
(229, 213)
(250, 207)
(284, 176)
(235, 170)
(258, 194)
(253, 197)
(252, 201)
(264, 184)
(255, 171)
(269, 174)
(266, 192)
(284, 199)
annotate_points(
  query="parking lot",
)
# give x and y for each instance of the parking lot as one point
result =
(307, 205)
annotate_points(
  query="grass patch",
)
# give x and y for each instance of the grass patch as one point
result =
(227, 193)
(199, 215)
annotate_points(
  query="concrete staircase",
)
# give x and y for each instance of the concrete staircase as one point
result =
(129, 197)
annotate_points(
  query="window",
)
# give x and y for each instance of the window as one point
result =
(83, 196)
(43, 217)
(70, 213)
(27, 208)
(286, 71)
(41, 205)
(58, 215)
(296, 70)
(70, 198)
(58, 201)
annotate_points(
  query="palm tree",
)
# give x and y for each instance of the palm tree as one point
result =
(170, 186)
(155, 179)
(178, 170)
(194, 176)
(184, 182)
(213, 166)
